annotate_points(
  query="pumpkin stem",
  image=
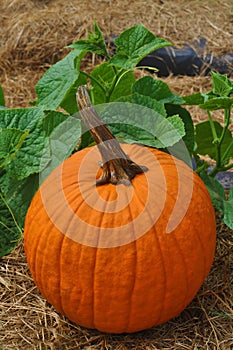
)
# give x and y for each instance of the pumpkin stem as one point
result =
(117, 166)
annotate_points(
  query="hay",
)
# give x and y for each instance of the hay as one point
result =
(33, 35)
(28, 322)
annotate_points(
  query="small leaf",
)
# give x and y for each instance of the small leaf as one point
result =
(217, 103)
(105, 74)
(221, 85)
(205, 145)
(94, 43)
(9, 232)
(156, 89)
(10, 142)
(186, 118)
(194, 99)
(133, 45)
(55, 85)
(2, 99)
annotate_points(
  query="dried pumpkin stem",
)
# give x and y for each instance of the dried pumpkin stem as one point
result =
(117, 166)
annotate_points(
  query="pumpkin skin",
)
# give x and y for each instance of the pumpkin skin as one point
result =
(130, 280)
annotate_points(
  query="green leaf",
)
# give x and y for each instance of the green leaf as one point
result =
(217, 103)
(94, 43)
(133, 45)
(204, 141)
(51, 120)
(194, 99)
(221, 85)
(218, 197)
(185, 116)
(61, 142)
(9, 232)
(10, 142)
(18, 195)
(132, 122)
(216, 191)
(228, 210)
(2, 99)
(59, 81)
(156, 89)
(69, 103)
(146, 101)
(28, 158)
(105, 74)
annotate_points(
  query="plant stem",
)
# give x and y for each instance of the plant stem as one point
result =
(214, 133)
(117, 166)
(116, 79)
(218, 143)
(95, 80)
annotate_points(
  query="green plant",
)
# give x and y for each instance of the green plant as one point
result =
(25, 134)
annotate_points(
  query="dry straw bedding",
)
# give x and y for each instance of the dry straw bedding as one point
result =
(33, 35)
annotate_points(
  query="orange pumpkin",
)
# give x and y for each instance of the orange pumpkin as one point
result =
(120, 258)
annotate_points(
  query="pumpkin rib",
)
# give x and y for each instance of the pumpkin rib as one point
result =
(132, 289)
(61, 273)
(155, 236)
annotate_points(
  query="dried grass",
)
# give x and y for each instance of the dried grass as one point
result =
(33, 35)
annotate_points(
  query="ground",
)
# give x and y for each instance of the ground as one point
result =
(33, 36)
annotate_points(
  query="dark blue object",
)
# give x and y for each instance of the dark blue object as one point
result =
(190, 60)
(224, 177)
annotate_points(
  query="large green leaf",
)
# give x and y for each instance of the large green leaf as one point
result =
(105, 74)
(134, 44)
(205, 145)
(156, 89)
(69, 102)
(146, 101)
(133, 122)
(10, 142)
(58, 81)
(28, 158)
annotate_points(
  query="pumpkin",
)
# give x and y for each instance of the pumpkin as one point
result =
(120, 258)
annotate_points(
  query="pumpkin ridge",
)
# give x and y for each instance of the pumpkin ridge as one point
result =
(162, 259)
(94, 278)
(61, 272)
(134, 276)
(135, 265)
